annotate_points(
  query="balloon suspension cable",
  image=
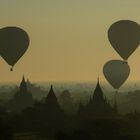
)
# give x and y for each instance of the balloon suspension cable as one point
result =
(116, 93)
(11, 69)
(125, 62)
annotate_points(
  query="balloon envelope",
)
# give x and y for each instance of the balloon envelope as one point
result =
(14, 42)
(124, 37)
(116, 72)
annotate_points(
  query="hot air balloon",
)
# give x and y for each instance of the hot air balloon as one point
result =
(116, 72)
(124, 37)
(14, 42)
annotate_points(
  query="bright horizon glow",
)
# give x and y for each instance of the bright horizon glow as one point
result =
(68, 38)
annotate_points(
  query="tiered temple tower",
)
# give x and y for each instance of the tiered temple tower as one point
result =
(22, 98)
(98, 107)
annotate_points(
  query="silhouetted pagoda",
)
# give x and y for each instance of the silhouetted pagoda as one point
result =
(97, 107)
(22, 99)
(51, 104)
(48, 114)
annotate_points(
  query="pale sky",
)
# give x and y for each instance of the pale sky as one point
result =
(68, 38)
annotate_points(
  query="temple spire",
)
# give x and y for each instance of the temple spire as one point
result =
(23, 78)
(51, 96)
(98, 93)
(97, 79)
(51, 89)
(23, 85)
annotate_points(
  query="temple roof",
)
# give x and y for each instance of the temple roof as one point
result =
(23, 85)
(98, 93)
(51, 95)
